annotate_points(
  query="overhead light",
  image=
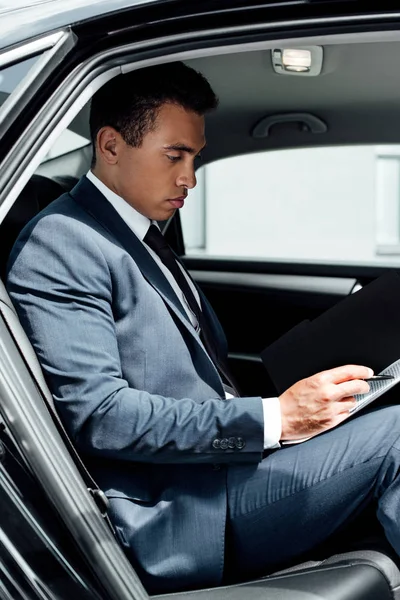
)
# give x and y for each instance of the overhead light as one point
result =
(297, 68)
(298, 61)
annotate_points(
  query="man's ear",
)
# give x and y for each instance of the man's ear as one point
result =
(108, 142)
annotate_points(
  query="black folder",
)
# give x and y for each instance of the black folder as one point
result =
(363, 328)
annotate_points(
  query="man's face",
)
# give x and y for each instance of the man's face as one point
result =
(155, 177)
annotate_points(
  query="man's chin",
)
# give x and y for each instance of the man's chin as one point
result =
(165, 215)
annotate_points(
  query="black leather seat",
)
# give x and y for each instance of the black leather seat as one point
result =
(36, 195)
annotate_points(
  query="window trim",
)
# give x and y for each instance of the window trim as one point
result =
(53, 47)
(16, 54)
(388, 249)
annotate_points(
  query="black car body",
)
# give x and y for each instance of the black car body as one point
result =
(55, 538)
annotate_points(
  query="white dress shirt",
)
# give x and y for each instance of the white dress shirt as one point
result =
(140, 224)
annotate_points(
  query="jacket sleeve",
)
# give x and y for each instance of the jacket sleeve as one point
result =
(60, 284)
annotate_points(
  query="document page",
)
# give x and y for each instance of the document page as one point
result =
(377, 388)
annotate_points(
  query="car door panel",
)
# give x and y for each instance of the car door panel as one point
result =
(257, 308)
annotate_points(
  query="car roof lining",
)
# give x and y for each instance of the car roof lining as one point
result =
(343, 96)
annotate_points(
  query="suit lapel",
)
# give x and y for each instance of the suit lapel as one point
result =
(94, 203)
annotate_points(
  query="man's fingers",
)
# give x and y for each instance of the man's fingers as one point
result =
(342, 417)
(345, 405)
(351, 388)
(322, 401)
(347, 373)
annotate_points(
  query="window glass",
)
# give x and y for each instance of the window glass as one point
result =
(10, 77)
(332, 204)
(68, 141)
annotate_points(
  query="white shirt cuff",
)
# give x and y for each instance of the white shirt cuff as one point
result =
(272, 422)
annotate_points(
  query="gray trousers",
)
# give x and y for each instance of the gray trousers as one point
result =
(301, 494)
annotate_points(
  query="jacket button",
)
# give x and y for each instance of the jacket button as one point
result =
(216, 444)
(232, 443)
(240, 443)
(224, 444)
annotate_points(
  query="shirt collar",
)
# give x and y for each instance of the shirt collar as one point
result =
(137, 222)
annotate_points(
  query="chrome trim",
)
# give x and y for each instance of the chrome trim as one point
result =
(340, 286)
(60, 39)
(29, 421)
(356, 287)
(26, 50)
(254, 358)
(37, 586)
(9, 488)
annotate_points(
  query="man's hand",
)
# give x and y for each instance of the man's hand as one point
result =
(322, 401)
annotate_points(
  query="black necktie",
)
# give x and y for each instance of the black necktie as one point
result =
(156, 241)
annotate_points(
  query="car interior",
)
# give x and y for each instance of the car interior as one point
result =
(354, 101)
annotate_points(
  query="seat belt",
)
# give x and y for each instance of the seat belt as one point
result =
(97, 494)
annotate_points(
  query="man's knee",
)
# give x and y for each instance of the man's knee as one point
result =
(387, 416)
(378, 429)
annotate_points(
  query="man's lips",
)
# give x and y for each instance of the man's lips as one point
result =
(177, 202)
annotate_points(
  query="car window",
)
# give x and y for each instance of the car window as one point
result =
(330, 204)
(68, 141)
(10, 77)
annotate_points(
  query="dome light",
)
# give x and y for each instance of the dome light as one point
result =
(297, 61)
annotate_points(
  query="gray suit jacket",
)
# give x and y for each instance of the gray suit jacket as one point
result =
(134, 386)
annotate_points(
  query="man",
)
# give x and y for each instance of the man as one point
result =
(136, 361)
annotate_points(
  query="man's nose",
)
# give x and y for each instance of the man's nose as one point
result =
(187, 179)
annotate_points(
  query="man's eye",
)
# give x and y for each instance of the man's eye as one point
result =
(173, 158)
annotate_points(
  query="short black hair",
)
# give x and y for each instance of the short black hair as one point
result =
(130, 103)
